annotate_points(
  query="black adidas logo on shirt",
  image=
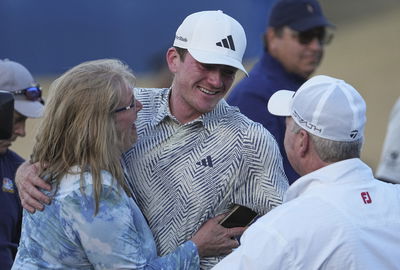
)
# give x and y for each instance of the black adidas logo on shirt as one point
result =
(227, 43)
(206, 162)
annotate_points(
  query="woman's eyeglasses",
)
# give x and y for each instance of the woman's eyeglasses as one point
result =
(132, 105)
(33, 93)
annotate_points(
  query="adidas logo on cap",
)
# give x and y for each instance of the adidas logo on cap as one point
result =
(227, 43)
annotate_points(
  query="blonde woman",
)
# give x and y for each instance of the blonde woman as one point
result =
(93, 221)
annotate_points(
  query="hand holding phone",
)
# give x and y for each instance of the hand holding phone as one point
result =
(239, 216)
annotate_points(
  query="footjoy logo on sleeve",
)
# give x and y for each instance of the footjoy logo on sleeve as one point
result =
(366, 198)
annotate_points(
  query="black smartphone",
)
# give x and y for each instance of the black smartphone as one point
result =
(239, 216)
(6, 114)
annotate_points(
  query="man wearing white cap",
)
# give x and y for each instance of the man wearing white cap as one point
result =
(16, 79)
(336, 215)
(196, 156)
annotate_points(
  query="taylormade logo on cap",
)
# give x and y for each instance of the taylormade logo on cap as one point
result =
(212, 37)
(324, 106)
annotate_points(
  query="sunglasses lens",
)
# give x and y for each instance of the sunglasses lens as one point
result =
(307, 37)
(33, 93)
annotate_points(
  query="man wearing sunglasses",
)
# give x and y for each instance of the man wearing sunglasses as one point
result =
(294, 42)
(16, 79)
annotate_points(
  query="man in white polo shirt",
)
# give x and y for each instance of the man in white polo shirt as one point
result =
(336, 215)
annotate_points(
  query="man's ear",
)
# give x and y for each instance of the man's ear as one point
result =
(269, 39)
(173, 59)
(304, 143)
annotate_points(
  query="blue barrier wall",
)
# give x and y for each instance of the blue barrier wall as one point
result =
(50, 36)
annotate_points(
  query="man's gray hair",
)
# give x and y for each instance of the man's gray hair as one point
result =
(333, 151)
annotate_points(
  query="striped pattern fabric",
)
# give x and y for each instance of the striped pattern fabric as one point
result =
(183, 175)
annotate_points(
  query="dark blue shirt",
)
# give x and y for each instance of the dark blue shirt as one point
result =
(10, 209)
(251, 95)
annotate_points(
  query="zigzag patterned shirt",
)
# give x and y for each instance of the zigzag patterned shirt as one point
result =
(182, 175)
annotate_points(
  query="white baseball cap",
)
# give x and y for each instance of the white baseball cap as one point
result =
(15, 77)
(212, 37)
(324, 106)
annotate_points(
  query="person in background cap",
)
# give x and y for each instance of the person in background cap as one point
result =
(293, 48)
(16, 79)
(336, 215)
(389, 166)
(196, 156)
